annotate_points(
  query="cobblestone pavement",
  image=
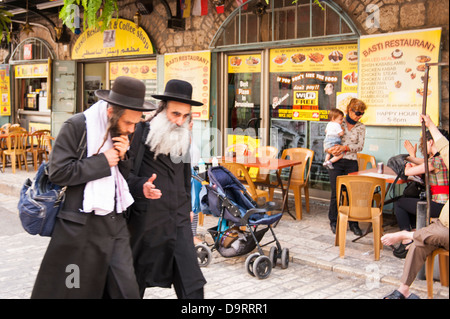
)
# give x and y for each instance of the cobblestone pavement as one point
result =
(315, 270)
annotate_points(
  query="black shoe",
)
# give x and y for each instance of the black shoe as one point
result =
(355, 229)
(402, 250)
(333, 228)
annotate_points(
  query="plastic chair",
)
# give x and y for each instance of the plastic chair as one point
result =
(16, 144)
(443, 266)
(364, 159)
(360, 191)
(240, 170)
(37, 147)
(48, 144)
(300, 176)
(5, 128)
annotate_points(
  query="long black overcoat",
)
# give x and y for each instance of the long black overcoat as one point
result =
(160, 229)
(72, 243)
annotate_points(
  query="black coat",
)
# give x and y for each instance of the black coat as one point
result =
(160, 229)
(72, 242)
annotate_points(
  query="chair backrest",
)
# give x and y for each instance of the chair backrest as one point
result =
(300, 173)
(48, 143)
(364, 159)
(5, 128)
(239, 170)
(360, 191)
(15, 128)
(37, 139)
(17, 142)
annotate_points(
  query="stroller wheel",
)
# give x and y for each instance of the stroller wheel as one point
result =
(284, 258)
(262, 267)
(204, 255)
(249, 263)
(273, 255)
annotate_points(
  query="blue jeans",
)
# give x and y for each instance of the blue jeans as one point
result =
(341, 167)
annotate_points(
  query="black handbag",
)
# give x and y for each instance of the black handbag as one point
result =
(414, 190)
(40, 200)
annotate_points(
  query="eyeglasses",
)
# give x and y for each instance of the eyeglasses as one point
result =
(358, 113)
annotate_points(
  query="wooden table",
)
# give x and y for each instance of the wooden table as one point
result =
(266, 163)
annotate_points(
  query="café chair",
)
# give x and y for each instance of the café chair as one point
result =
(443, 269)
(5, 128)
(300, 176)
(37, 147)
(364, 159)
(48, 144)
(16, 128)
(16, 144)
(360, 208)
(240, 170)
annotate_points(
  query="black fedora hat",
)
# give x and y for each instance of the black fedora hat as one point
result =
(127, 92)
(178, 90)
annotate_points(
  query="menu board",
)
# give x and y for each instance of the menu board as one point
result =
(5, 104)
(195, 68)
(31, 70)
(144, 70)
(306, 82)
(392, 69)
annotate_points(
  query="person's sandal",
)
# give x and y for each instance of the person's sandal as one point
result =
(395, 295)
(402, 250)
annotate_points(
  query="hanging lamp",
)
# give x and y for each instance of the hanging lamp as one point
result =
(27, 28)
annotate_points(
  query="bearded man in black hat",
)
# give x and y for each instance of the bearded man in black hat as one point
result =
(89, 254)
(160, 226)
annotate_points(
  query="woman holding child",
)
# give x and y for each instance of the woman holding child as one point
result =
(352, 142)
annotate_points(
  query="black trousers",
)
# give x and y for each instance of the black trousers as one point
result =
(341, 167)
(406, 212)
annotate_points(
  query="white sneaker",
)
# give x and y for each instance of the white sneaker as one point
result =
(328, 165)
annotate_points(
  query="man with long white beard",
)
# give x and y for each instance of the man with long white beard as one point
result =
(160, 182)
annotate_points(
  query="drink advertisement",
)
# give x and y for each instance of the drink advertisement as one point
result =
(306, 82)
(195, 68)
(392, 70)
(5, 91)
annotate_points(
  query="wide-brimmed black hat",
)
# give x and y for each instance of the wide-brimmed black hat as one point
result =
(127, 92)
(178, 90)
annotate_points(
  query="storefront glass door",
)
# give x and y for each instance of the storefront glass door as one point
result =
(244, 116)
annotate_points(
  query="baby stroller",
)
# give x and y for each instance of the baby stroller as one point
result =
(225, 197)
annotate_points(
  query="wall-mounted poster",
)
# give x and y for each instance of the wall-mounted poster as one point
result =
(195, 68)
(5, 104)
(306, 81)
(392, 69)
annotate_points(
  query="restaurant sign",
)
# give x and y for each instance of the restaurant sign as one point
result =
(306, 82)
(195, 68)
(392, 69)
(123, 39)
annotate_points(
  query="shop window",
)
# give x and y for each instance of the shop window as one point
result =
(32, 49)
(255, 22)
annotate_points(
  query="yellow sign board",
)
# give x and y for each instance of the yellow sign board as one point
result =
(392, 69)
(123, 39)
(31, 70)
(195, 68)
(142, 70)
(5, 91)
(244, 63)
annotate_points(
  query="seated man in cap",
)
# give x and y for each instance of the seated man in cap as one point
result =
(89, 254)
(161, 236)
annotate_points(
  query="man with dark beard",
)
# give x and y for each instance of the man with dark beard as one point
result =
(89, 254)
(159, 222)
